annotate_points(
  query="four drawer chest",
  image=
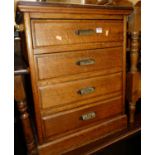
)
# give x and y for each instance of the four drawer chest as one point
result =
(77, 60)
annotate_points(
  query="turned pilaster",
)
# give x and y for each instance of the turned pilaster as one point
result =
(20, 97)
(134, 53)
(133, 77)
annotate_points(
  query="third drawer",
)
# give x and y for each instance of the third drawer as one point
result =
(69, 93)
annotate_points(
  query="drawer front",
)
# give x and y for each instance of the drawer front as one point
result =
(60, 64)
(62, 32)
(84, 137)
(67, 93)
(75, 119)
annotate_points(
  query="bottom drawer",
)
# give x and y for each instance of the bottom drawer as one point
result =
(77, 118)
(83, 137)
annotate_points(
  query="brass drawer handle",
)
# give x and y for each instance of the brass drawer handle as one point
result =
(85, 32)
(88, 116)
(85, 62)
(86, 90)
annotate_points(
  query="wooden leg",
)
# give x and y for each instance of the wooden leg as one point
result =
(133, 93)
(24, 116)
(27, 129)
(132, 109)
(133, 76)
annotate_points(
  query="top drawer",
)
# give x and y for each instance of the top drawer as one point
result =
(65, 32)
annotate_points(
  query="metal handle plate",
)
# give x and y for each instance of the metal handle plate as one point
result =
(85, 32)
(88, 116)
(85, 62)
(86, 90)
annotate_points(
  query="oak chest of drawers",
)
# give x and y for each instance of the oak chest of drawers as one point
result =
(76, 56)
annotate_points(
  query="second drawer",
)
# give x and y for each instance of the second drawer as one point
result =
(62, 64)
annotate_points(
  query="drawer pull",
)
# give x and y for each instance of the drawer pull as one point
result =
(85, 62)
(86, 90)
(85, 32)
(88, 116)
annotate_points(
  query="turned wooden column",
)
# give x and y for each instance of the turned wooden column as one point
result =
(133, 76)
(20, 97)
(134, 53)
